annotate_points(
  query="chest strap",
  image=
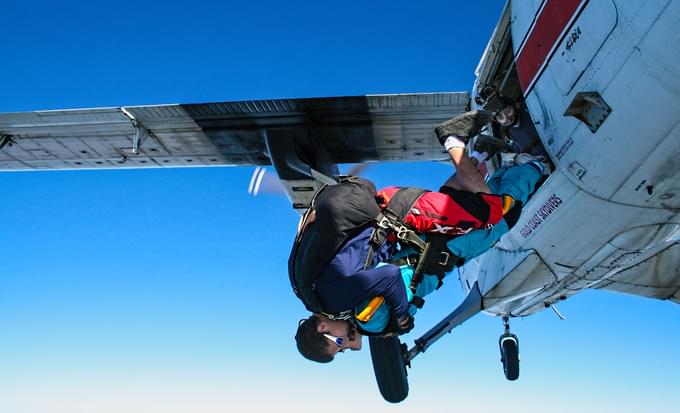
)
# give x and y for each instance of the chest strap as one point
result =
(342, 315)
(391, 221)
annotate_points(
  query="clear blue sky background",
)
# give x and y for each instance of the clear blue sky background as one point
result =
(166, 290)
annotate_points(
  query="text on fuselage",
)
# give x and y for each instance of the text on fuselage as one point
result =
(541, 215)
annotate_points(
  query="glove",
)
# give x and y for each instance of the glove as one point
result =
(405, 324)
(398, 326)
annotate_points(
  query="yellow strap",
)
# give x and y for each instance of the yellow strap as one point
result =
(508, 202)
(365, 315)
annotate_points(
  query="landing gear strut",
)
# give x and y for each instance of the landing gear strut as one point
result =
(509, 346)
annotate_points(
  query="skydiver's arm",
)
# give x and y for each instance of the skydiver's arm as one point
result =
(381, 318)
(383, 281)
(467, 177)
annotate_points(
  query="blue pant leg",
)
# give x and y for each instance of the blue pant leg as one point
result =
(517, 181)
(477, 242)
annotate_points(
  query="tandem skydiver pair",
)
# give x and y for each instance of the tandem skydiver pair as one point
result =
(363, 259)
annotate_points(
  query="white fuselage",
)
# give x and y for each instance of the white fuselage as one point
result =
(608, 216)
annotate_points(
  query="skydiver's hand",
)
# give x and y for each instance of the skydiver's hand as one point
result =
(398, 326)
(406, 324)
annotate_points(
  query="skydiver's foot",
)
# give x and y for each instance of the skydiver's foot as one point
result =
(463, 126)
(537, 160)
(490, 145)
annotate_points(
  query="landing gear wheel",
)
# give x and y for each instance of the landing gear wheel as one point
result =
(389, 367)
(509, 345)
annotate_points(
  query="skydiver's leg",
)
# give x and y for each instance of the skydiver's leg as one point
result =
(477, 242)
(452, 182)
(517, 181)
(476, 158)
(453, 135)
(467, 177)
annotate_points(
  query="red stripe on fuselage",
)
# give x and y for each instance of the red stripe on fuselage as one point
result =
(550, 23)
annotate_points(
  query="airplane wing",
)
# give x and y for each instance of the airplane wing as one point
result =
(303, 138)
(350, 129)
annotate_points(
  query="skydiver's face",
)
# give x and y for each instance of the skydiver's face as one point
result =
(343, 329)
(506, 116)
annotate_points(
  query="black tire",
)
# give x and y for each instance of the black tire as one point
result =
(509, 345)
(389, 368)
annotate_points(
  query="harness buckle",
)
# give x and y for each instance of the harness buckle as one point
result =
(384, 223)
(343, 315)
(402, 232)
(443, 258)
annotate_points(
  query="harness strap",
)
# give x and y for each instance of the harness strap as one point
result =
(418, 274)
(342, 315)
(437, 259)
(410, 260)
(390, 221)
(402, 201)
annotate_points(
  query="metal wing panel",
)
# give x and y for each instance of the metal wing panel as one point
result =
(350, 129)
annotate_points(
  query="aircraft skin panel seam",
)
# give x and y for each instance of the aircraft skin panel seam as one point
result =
(611, 279)
(608, 283)
(672, 296)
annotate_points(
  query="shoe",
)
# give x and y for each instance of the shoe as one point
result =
(490, 145)
(464, 126)
(539, 160)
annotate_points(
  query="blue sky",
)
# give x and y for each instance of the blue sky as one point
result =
(166, 290)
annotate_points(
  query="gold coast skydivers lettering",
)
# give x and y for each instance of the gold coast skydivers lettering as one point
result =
(540, 216)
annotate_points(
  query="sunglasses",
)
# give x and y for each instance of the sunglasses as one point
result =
(339, 341)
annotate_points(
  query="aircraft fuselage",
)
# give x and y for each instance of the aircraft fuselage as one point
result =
(601, 82)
